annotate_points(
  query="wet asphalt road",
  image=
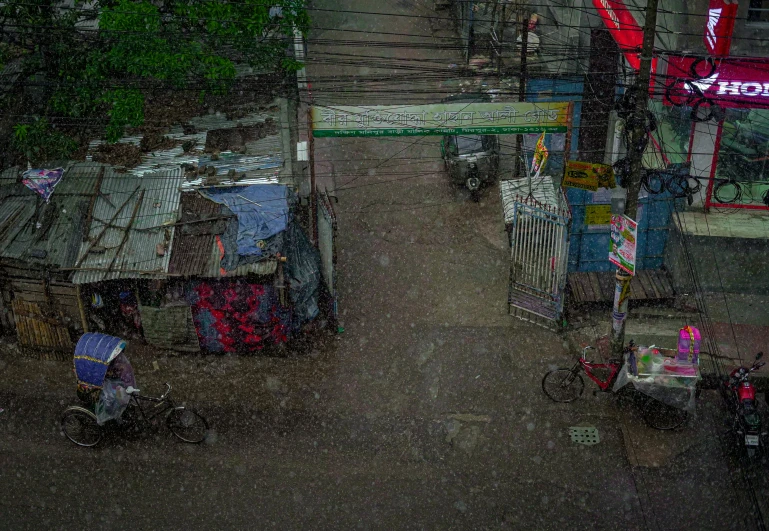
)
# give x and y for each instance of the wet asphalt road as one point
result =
(325, 473)
(309, 471)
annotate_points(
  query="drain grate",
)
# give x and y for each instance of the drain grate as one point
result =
(583, 435)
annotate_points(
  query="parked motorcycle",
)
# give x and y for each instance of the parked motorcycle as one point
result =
(741, 400)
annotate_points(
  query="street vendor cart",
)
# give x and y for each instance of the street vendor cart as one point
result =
(667, 379)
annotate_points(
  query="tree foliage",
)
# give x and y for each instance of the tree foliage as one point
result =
(180, 44)
(38, 142)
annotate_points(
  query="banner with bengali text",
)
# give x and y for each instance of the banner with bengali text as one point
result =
(441, 119)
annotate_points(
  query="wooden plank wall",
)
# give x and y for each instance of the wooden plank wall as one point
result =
(61, 298)
(599, 287)
(37, 330)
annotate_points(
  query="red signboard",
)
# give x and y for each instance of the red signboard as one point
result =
(719, 27)
(623, 27)
(734, 82)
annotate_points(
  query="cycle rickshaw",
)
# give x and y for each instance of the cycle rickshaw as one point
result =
(106, 387)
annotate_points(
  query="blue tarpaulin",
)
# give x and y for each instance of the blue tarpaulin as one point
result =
(262, 212)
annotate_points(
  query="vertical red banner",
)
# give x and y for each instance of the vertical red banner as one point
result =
(623, 27)
(719, 26)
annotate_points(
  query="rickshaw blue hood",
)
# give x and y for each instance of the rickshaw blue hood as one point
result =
(93, 354)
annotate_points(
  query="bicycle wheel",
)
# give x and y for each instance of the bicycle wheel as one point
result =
(80, 426)
(563, 385)
(661, 416)
(187, 425)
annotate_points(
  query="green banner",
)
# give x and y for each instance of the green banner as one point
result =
(441, 119)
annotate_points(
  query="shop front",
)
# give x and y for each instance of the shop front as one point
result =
(726, 101)
(721, 238)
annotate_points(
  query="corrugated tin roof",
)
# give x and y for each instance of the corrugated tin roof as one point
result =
(262, 267)
(191, 253)
(257, 169)
(43, 235)
(543, 194)
(136, 257)
(155, 161)
(266, 161)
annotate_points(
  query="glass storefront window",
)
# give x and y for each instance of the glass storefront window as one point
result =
(742, 170)
(674, 127)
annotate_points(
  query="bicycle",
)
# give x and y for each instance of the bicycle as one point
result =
(80, 426)
(567, 385)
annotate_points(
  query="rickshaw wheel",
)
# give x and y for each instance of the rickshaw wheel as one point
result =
(80, 426)
(187, 425)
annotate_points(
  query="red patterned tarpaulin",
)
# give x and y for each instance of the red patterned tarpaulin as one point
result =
(233, 315)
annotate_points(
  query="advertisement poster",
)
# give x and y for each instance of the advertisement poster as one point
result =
(597, 215)
(588, 176)
(624, 234)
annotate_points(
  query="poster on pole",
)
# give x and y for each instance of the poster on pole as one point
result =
(624, 234)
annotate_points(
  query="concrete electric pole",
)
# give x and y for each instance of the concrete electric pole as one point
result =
(637, 126)
(523, 21)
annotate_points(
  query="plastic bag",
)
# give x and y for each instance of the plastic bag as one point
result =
(113, 400)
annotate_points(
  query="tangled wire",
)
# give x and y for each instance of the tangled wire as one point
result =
(694, 96)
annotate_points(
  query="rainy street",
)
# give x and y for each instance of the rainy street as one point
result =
(424, 411)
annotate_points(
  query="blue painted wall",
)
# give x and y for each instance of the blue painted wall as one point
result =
(556, 89)
(589, 247)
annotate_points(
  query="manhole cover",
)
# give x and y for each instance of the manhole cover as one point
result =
(586, 436)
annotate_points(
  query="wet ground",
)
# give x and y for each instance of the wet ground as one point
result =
(426, 413)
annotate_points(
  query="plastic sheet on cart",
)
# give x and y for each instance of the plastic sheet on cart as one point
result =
(675, 390)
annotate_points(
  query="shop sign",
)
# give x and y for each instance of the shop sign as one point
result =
(441, 119)
(624, 235)
(623, 27)
(735, 82)
(588, 176)
(719, 27)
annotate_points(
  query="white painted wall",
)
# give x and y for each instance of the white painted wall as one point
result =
(702, 151)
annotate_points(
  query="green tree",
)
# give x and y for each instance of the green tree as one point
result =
(181, 44)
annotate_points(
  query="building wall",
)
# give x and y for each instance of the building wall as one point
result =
(731, 265)
(681, 27)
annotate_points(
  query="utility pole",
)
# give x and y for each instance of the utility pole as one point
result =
(637, 127)
(501, 38)
(313, 185)
(523, 20)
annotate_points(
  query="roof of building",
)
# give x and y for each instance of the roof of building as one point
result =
(37, 234)
(196, 252)
(132, 227)
(262, 136)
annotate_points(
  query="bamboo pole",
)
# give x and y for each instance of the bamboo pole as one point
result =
(81, 308)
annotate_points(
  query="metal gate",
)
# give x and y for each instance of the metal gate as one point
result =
(538, 223)
(327, 248)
